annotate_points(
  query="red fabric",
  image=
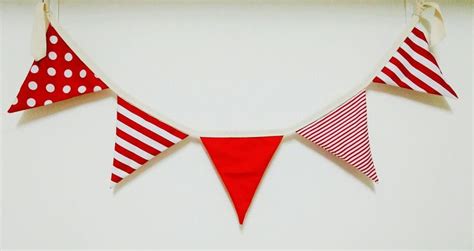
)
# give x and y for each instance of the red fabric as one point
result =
(344, 133)
(139, 138)
(60, 75)
(241, 163)
(414, 67)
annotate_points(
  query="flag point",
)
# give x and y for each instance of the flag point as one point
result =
(241, 163)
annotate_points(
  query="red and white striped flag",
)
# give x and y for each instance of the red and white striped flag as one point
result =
(139, 138)
(414, 67)
(344, 133)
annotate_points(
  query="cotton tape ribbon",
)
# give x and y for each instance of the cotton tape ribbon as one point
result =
(38, 44)
(437, 29)
(41, 21)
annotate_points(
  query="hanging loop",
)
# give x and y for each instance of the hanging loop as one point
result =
(436, 24)
(41, 22)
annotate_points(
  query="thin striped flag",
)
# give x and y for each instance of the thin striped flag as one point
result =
(139, 138)
(344, 133)
(414, 67)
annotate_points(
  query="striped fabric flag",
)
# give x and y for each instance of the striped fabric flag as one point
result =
(139, 138)
(344, 133)
(414, 67)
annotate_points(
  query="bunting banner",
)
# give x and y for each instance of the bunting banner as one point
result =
(241, 163)
(414, 67)
(139, 138)
(344, 133)
(58, 74)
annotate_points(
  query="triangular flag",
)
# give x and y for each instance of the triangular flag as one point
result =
(414, 67)
(139, 138)
(344, 133)
(241, 163)
(58, 76)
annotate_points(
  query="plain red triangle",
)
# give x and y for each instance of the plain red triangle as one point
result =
(241, 163)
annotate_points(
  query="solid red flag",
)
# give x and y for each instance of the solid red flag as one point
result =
(241, 163)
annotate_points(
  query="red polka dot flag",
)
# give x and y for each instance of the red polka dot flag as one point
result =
(59, 76)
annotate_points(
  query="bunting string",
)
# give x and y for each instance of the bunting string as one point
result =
(420, 7)
(62, 71)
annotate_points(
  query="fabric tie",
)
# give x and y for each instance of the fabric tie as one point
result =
(437, 29)
(38, 38)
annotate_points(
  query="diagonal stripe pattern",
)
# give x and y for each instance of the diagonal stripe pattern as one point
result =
(414, 67)
(344, 133)
(139, 138)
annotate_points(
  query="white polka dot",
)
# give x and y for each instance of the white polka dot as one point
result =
(66, 89)
(68, 56)
(50, 87)
(81, 89)
(16, 101)
(51, 71)
(97, 88)
(52, 55)
(67, 73)
(82, 73)
(47, 102)
(32, 85)
(31, 102)
(34, 69)
(53, 39)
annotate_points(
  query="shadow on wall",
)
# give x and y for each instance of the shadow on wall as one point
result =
(40, 112)
(129, 179)
(424, 98)
(346, 167)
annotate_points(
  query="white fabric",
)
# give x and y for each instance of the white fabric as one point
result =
(286, 132)
(38, 36)
(437, 29)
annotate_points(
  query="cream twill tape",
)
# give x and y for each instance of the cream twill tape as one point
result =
(43, 17)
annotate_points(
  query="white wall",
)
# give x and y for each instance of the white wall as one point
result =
(237, 66)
